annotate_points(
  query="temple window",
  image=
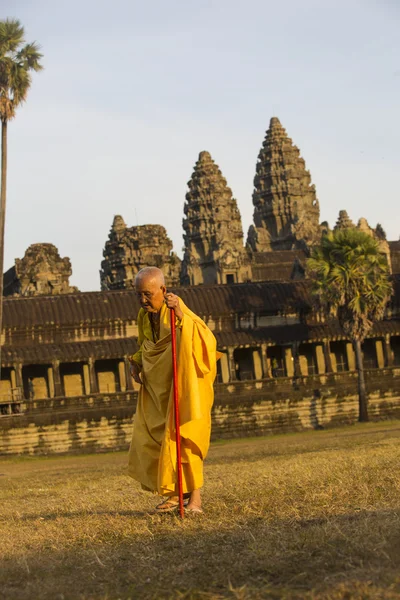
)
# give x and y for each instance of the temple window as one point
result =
(244, 365)
(308, 359)
(246, 320)
(5, 385)
(218, 378)
(72, 379)
(271, 319)
(35, 381)
(276, 358)
(107, 376)
(369, 354)
(230, 278)
(339, 356)
(395, 345)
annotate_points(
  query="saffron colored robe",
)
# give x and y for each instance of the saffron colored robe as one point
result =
(152, 454)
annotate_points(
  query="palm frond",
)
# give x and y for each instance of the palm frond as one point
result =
(350, 275)
(11, 36)
(17, 61)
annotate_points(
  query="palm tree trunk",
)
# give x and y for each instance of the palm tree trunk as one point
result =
(362, 394)
(2, 218)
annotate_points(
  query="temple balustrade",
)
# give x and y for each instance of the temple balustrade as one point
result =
(103, 421)
(21, 384)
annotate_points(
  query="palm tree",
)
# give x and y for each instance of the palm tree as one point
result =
(351, 281)
(17, 61)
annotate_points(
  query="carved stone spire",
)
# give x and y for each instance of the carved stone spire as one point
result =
(119, 224)
(344, 221)
(214, 251)
(286, 210)
(379, 235)
(129, 249)
(41, 271)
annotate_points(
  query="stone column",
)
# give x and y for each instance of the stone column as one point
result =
(264, 361)
(18, 374)
(94, 388)
(257, 364)
(19, 387)
(122, 376)
(303, 365)
(224, 368)
(327, 356)
(128, 376)
(50, 378)
(58, 391)
(388, 351)
(13, 383)
(295, 361)
(319, 354)
(351, 357)
(231, 361)
(380, 357)
(86, 379)
(289, 362)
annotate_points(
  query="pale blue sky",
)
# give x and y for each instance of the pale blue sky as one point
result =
(132, 91)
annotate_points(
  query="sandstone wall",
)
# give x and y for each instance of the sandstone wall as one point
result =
(104, 422)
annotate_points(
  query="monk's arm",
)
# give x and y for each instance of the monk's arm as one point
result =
(137, 357)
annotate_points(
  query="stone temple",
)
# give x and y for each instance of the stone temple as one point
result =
(286, 209)
(40, 271)
(65, 384)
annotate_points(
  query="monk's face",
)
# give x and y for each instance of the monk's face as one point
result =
(151, 293)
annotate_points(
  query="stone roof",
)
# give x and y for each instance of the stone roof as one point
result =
(123, 305)
(277, 265)
(72, 352)
(298, 332)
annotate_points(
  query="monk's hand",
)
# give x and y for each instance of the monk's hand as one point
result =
(135, 372)
(172, 301)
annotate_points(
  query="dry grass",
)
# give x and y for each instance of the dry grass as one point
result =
(312, 515)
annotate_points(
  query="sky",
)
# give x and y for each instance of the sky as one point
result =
(132, 91)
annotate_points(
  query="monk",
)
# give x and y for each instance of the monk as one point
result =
(152, 455)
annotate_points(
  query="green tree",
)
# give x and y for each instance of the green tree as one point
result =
(351, 280)
(17, 61)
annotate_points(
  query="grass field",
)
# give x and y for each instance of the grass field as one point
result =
(310, 515)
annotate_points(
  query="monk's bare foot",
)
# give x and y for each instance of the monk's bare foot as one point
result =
(194, 504)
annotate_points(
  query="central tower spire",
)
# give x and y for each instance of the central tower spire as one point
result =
(286, 210)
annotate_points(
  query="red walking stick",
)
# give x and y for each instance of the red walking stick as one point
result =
(176, 413)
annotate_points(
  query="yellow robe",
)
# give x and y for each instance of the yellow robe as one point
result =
(152, 454)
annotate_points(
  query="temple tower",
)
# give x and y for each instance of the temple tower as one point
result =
(129, 249)
(41, 271)
(286, 210)
(344, 221)
(214, 251)
(378, 234)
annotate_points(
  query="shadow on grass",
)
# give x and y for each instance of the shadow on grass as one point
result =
(53, 516)
(213, 557)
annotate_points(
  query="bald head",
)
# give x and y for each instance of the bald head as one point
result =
(150, 273)
(150, 288)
